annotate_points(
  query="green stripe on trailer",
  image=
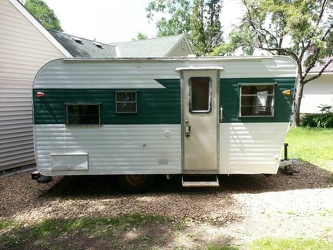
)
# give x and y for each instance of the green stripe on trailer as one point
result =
(154, 106)
(230, 100)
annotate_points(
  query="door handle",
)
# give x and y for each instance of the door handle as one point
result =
(187, 128)
(221, 113)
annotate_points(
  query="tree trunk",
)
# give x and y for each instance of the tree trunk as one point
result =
(297, 102)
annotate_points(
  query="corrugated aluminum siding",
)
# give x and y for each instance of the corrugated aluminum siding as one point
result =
(229, 99)
(154, 106)
(23, 51)
(140, 73)
(112, 149)
(251, 148)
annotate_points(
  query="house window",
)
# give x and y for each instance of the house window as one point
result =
(126, 102)
(200, 94)
(256, 100)
(83, 114)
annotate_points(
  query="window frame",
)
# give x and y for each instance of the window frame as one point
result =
(83, 104)
(209, 96)
(119, 102)
(272, 106)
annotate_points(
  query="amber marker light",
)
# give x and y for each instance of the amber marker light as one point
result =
(286, 92)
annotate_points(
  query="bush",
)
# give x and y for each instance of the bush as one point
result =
(323, 120)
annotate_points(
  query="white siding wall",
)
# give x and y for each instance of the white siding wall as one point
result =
(251, 148)
(317, 92)
(111, 149)
(23, 51)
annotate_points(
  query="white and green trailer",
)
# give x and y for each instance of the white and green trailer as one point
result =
(138, 118)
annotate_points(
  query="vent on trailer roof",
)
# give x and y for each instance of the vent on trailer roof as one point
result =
(78, 40)
(98, 45)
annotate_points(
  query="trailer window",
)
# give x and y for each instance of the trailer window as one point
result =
(126, 102)
(200, 94)
(256, 100)
(85, 114)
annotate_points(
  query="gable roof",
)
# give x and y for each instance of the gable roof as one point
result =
(154, 47)
(82, 47)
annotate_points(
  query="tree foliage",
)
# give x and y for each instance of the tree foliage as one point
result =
(172, 17)
(199, 19)
(140, 36)
(301, 29)
(46, 16)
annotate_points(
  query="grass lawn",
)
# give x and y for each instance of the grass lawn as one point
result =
(314, 145)
(294, 244)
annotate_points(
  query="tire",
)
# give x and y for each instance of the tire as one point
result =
(135, 184)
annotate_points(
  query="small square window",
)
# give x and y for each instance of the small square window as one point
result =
(83, 114)
(126, 102)
(256, 100)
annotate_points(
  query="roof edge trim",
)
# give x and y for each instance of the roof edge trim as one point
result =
(39, 27)
(201, 68)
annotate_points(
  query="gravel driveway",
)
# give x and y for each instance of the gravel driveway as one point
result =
(244, 207)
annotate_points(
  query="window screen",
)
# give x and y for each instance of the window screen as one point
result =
(126, 102)
(200, 94)
(83, 114)
(257, 100)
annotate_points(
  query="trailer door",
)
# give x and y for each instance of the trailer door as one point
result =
(200, 121)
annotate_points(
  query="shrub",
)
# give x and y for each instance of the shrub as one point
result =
(323, 120)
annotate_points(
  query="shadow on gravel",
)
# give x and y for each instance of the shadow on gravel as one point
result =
(123, 232)
(305, 176)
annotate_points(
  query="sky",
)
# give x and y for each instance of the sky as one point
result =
(110, 21)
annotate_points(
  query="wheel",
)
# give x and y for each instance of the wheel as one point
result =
(135, 184)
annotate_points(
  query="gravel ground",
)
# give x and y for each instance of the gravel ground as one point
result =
(243, 208)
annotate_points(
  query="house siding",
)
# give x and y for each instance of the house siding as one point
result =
(317, 92)
(24, 50)
(180, 50)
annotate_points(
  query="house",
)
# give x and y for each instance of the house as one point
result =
(81, 47)
(25, 46)
(170, 46)
(319, 91)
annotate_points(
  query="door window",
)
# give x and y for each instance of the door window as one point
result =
(200, 94)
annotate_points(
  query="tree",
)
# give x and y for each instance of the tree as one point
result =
(140, 36)
(172, 17)
(205, 26)
(301, 29)
(199, 19)
(46, 16)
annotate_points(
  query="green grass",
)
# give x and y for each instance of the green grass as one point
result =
(314, 145)
(133, 231)
(78, 232)
(292, 244)
(7, 224)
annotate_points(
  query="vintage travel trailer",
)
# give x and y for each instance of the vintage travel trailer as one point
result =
(138, 118)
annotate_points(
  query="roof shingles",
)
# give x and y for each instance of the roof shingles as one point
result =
(85, 48)
(155, 47)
